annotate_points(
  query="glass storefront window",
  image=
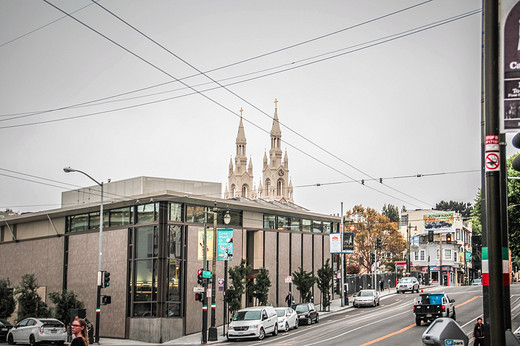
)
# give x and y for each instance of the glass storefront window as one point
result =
(175, 212)
(120, 217)
(283, 223)
(174, 242)
(78, 223)
(145, 281)
(147, 213)
(144, 310)
(195, 214)
(174, 277)
(269, 221)
(146, 242)
(306, 225)
(294, 224)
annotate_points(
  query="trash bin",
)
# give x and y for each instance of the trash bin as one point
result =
(444, 331)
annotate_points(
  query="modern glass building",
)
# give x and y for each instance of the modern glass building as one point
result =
(151, 247)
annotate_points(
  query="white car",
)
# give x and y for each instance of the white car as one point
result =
(287, 318)
(409, 283)
(366, 298)
(254, 322)
(33, 331)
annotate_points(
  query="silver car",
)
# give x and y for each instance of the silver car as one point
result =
(366, 298)
(36, 330)
(408, 283)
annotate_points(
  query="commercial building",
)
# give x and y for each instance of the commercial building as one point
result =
(151, 246)
(439, 245)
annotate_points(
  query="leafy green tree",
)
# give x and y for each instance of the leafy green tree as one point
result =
(391, 212)
(460, 207)
(64, 302)
(7, 302)
(304, 281)
(476, 215)
(260, 287)
(239, 283)
(325, 276)
(30, 304)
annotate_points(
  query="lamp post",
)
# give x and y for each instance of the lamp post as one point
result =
(227, 220)
(98, 294)
(213, 329)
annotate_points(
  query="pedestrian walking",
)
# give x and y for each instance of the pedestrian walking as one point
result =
(289, 299)
(79, 329)
(478, 333)
(382, 285)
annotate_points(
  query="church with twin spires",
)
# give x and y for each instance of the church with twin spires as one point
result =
(275, 184)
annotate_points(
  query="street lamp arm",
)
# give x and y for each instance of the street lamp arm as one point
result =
(69, 170)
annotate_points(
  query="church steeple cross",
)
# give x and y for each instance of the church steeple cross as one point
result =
(275, 103)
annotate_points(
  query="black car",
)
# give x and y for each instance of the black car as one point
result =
(307, 313)
(4, 328)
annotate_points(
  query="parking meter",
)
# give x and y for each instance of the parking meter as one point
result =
(444, 331)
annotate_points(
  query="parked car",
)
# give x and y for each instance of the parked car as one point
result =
(366, 298)
(287, 318)
(254, 322)
(476, 282)
(409, 283)
(4, 329)
(35, 330)
(307, 313)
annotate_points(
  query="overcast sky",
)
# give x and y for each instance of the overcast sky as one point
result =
(366, 90)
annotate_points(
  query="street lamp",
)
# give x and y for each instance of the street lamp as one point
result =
(98, 294)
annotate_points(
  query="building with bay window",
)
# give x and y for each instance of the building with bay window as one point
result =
(150, 246)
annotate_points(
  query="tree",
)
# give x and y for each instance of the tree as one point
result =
(7, 303)
(462, 208)
(234, 293)
(30, 304)
(64, 302)
(513, 209)
(260, 287)
(304, 281)
(369, 226)
(391, 212)
(325, 276)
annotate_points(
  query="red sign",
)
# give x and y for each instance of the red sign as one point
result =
(492, 162)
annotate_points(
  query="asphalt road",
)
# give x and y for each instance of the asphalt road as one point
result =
(392, 323)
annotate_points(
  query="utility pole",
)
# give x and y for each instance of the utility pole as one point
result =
(342, 256)
(441, 273)
(204, 338)
(492, 254)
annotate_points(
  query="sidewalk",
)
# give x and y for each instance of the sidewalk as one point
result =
(195, 339)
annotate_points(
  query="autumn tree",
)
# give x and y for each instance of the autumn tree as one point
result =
(370, 225)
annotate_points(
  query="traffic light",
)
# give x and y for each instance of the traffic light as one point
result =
(106, 279)
(516, 144)
(430, 236)
(372, 258)
(105, 300)
(199, 296)
(448, 238)
(200, 279)
(378, 243)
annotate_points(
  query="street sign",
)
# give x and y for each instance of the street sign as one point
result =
(220, 284)
(206, 274)
(492, 162)
(198, 289)
(288, 279)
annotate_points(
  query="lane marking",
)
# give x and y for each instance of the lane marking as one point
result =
(410, 326)
(389, 335)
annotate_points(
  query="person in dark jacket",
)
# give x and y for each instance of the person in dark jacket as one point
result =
(478, 333)
(289, 299)
(79, 329)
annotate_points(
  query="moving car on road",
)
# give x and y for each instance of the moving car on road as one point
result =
(287, 318)
(366, 298)
(476, 282)
(408, 283)
(307, 313)
(37, 330)
(254, 322)
(430, 306)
